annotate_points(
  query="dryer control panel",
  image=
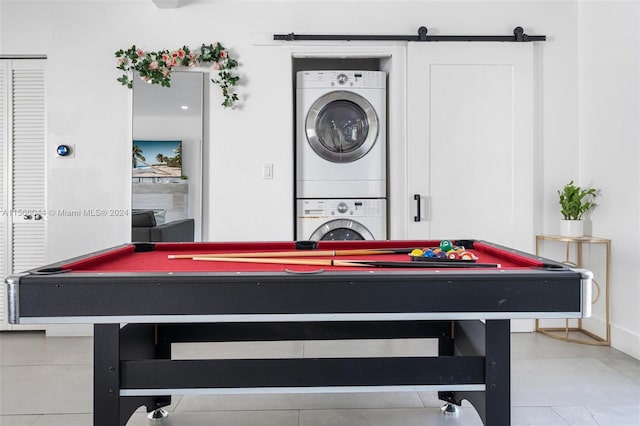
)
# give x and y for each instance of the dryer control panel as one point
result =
(342, 79)
(348, 208)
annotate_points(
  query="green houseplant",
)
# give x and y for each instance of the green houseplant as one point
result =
(575, 202)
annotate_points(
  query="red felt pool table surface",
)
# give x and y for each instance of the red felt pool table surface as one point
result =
(128, 258)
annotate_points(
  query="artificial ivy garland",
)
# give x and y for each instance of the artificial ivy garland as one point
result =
(156, 67)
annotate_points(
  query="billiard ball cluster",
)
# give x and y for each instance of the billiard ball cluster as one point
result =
(446, 251)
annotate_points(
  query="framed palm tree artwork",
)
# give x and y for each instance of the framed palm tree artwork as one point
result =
(156, 159)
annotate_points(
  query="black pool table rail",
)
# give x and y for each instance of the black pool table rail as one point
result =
(108, 298)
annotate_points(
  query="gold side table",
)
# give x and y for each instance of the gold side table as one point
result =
(562, 333)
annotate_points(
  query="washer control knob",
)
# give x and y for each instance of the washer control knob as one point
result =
(342, 207)
(342, 79)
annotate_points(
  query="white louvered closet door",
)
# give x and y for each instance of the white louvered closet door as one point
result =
(4, 169)
(23, 132)
(28, 165)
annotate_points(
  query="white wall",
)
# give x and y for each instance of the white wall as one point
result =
(586, 105)
(609, 152)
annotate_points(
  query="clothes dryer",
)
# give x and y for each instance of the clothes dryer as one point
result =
(341, 134)
(342, 219)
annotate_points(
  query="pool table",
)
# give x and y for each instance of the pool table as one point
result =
(142, 297)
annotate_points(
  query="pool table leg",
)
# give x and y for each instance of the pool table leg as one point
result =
(112, 344)
(493, 341)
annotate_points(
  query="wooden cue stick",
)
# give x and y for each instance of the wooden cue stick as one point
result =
(357, 263)
(298, 253)
(277, 261)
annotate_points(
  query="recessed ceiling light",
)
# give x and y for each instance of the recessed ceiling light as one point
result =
(184, 107)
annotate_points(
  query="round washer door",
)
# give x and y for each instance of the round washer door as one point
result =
(341, 229)
(341, 126)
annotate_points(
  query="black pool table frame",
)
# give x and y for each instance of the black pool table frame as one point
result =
(468, 311)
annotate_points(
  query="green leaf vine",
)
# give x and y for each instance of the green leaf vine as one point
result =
(156, 67)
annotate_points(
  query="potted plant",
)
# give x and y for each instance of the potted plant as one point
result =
(575, 202)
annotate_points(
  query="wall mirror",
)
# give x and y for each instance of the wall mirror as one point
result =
(167, 146)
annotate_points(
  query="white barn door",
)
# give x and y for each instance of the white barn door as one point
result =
(470, 162)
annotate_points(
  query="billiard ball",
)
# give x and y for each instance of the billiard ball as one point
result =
(446, 245)
(465, 255)
(416, 252)
(429, 253)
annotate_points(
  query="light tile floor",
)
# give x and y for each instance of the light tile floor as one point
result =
(47, 381)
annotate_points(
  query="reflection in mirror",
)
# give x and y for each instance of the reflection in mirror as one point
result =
(167, 156)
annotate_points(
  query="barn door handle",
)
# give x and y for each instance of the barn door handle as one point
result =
(416, 218)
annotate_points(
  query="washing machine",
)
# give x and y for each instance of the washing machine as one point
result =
(341, 134)
(341, 219)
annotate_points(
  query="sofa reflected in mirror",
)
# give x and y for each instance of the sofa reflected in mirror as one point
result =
(145, 228)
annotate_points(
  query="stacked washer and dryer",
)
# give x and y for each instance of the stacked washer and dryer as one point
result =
(341, 155)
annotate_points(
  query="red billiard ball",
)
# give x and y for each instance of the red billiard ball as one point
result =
(465, 255)
(453, 255)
